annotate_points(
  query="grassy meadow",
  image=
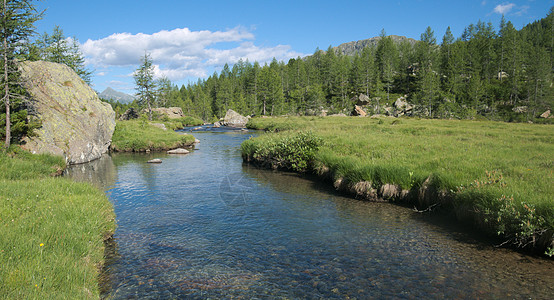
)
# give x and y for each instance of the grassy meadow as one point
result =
(52, 230)
(498, 176)
(141, 136)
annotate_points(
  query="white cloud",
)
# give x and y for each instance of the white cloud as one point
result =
(181, 53)
(522, 10)
(504, 8)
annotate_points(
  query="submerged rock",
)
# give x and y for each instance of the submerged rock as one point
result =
(75, 123)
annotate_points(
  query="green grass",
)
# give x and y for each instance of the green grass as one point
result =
(51, 230)
(499, 175)
(140, 136)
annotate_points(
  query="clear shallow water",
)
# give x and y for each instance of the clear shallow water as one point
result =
(204, 225)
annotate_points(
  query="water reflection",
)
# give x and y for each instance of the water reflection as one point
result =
(101, 172)
(204, 225)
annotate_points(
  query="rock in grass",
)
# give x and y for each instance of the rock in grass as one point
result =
(155, 161)
(234, 119)
(178, 151)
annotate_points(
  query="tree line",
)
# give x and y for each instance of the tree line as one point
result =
(501, 75)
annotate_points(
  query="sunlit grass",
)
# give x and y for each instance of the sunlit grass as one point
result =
(478, 163)
(51, 231)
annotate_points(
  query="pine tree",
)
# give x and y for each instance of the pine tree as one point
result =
(164, 89)
(17, 18)
(446, 66)
(145, 84)
(427, 75)
(387, 56)
(59, 49)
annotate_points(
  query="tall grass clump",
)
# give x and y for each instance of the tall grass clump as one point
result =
(140, 136)
(498, 176)
(52, 230)
(292, 152)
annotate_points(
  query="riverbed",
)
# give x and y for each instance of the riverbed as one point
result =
(205, 225)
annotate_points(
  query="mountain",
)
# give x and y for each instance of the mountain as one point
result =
(111, 94)
(352, 48)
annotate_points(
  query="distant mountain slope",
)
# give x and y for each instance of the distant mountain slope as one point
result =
(354, 47)
(111, 94)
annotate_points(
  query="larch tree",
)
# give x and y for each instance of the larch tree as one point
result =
(17, 18)
(56, 47)
(145, 83)
(387, 56)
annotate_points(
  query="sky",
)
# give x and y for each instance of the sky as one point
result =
(188, 40)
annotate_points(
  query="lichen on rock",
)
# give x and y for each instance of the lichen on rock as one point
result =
(75, 123)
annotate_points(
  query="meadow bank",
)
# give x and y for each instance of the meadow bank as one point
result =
(52, 230)
(495, 176)
(142, 136)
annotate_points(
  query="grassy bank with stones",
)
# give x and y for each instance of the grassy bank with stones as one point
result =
(495, 176)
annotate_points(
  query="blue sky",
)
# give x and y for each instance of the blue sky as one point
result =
(192, 39)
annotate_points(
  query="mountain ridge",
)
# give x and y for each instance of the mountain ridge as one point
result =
(111, 94)
(351, 48)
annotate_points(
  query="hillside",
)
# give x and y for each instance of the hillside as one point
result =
(354, 47)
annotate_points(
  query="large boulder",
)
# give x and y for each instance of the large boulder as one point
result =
(75, 123)
(234, 119)
(170, 112)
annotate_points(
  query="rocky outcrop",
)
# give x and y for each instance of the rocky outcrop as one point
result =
(546, 114)
(354, 47)
(75, 123)
(234, 119)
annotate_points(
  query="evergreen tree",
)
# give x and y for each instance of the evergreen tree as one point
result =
(59, 49)
(427, 74)
(145, 84)
(446, 66)
(370, 77)
(164, 90)
(387, 56)
(17, 18)
(271, 91)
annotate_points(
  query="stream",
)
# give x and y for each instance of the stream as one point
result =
(205, 225)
